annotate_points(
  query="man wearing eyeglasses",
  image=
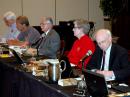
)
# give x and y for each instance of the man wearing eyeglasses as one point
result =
(114, 64)
(49, 42)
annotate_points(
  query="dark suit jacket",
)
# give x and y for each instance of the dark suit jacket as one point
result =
(118, 61)
(50, 44)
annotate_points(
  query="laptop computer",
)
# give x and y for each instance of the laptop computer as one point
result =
(18, 58)
(96, 84)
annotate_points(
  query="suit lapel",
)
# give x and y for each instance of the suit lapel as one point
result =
(49, 33)
(100, 58)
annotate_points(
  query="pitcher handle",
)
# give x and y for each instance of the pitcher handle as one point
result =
(64, 65)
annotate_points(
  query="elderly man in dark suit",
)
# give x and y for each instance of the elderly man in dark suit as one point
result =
(109, 59)
(49, 42)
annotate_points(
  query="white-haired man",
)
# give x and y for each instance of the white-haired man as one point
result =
(10, 21)
(109, 59)
(49, 44)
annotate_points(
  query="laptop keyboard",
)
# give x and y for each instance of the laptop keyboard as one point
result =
(122, 89)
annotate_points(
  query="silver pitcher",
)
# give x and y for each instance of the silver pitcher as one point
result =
(54, 71)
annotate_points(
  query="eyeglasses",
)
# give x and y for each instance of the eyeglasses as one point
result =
(42, 24)
(76, 27)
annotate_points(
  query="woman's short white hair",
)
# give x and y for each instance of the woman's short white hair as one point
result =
(9, 15)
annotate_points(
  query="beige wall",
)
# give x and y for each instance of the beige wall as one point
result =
(95, 13)
(59, 10)
(35, 9)
(71, 9)
(8, 5)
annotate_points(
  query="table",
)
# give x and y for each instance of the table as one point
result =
(15, 82)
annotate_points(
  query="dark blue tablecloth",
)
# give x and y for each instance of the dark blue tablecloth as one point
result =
(17, 83)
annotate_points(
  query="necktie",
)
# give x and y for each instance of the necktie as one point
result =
(103, 60)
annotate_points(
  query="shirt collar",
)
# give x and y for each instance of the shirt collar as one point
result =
(13, 26)
(47, 32)
(109, 49)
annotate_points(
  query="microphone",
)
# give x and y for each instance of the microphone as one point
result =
(36, 42)
(89, 53)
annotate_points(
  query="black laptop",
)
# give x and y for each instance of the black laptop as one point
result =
(18, 58)
(96, 84)
(16, 55)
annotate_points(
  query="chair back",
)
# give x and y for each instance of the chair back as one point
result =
(61, 49)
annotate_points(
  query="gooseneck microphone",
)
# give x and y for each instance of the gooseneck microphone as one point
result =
(89, 53)
(38, 42)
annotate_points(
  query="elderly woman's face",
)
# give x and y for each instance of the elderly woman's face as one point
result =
(77, 30)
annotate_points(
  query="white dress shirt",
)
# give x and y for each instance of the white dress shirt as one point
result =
(106, 64)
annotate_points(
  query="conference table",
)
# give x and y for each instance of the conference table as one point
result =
(16, 82)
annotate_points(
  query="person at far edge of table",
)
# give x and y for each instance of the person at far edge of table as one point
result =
(10, 21)
(82, 45)
(115, 66)
(49, 44)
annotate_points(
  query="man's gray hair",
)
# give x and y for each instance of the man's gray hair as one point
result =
(9, 15)
(49, 20)
(107, 31)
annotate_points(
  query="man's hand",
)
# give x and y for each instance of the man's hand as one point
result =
(106, 73)
(24, 44)
(32, 51)
(13, 42)
(16, 42)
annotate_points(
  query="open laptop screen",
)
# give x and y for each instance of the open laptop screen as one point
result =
(96, 84)
(18, 58)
